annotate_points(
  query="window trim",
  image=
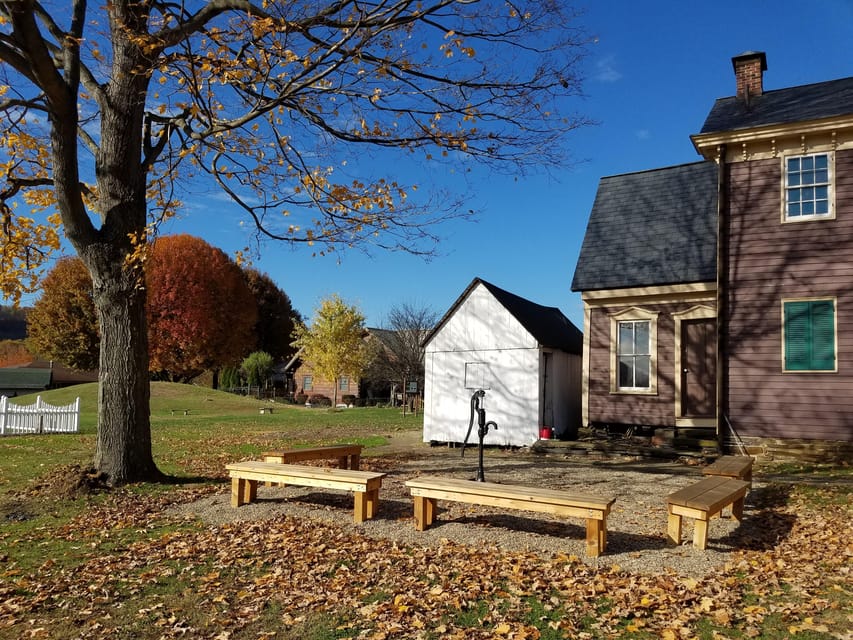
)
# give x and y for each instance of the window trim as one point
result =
(830, 214)
(834, 301)
(343, 383)
(307, 383)
(634, 314)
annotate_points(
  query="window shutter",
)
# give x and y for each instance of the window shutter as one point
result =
(823, 335)
(797, 345)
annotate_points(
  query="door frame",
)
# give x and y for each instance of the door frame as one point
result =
(698, 312)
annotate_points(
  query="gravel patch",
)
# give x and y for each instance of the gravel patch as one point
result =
(636, 527)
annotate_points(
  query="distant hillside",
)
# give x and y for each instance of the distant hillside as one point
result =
(13, 323)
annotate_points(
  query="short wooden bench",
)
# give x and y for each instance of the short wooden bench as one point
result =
(426, 490)
(348, 455)
(365, 484)
(737, 467)
(702, 501)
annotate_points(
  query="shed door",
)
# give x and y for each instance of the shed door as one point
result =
(698, 368)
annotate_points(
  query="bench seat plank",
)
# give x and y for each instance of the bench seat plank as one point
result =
(348, 455)
(365, 484)
(426, 490)
(702, 501)
(737, 467)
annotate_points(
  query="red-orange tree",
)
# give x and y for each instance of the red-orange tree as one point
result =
(63, 324)
(276, 316)
(201, 313)
(109, 108)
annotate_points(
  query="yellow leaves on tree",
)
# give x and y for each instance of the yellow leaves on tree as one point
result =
(335, 342)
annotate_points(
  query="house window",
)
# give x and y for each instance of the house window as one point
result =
(343, 383)
(634, 355)
(633, 348)
(809, 340)
(807, 187)
(308, 383)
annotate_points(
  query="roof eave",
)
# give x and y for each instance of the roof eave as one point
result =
(706, 144)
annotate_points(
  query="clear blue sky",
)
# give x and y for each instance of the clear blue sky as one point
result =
(651, 79)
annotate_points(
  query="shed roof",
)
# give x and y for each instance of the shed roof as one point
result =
(830, 99)
(548, 325)
(649, 228)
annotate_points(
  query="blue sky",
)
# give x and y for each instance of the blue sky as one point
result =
(651, 79)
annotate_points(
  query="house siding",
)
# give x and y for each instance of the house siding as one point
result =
(632, 409)
(321, 387)
(768, 262)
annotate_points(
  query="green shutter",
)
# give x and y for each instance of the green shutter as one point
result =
(810, 336)
(823, 335)
(797, 342)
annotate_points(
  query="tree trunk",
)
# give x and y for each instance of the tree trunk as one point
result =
(124, 426)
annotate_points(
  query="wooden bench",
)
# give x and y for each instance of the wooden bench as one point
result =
(702, 501)
(348, 455)
(365, 484)
(426, 490)
(736, 467)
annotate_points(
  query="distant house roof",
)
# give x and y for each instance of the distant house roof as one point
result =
(829, 99)
(654, 227)
(547, 325)
(24, 379)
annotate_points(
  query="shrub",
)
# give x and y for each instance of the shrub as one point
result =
(319, 400)
(349, 399)
(300, 398)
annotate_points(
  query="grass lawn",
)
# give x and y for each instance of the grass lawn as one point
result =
(117, 564)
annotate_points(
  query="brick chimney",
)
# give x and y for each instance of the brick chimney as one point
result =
(749, 73)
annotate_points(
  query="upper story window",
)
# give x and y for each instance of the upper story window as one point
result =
(343, 383)
(808, 187)
(308, 383)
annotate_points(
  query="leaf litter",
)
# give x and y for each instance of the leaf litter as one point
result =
(183, 564)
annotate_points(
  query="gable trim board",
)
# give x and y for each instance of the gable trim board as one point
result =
(529, 361)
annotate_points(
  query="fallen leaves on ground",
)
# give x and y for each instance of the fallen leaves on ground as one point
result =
(142, 573)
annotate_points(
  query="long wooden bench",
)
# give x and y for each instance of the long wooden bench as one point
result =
(702, 501)
(245, 477)
(347, 455)
(426, 490)
(737, 467)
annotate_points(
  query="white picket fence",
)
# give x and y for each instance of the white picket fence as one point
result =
(41, 417)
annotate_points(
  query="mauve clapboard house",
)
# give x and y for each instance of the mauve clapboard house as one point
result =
(720, 293)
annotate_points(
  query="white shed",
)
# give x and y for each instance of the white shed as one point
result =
(526, 357)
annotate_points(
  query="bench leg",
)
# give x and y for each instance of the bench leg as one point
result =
(360, 506)
(342, 462)
(700, 533)
(673, 528)
(424, 512)
(243, 491)
(737, 509)
(372, 502)
(354, 461)
(595, 537)
(237, 489)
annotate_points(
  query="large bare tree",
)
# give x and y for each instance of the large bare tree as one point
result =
(113, 109)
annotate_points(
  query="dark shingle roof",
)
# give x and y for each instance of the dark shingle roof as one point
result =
(654, 227)
(24, 379)
(829, 99)
(547, 325)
